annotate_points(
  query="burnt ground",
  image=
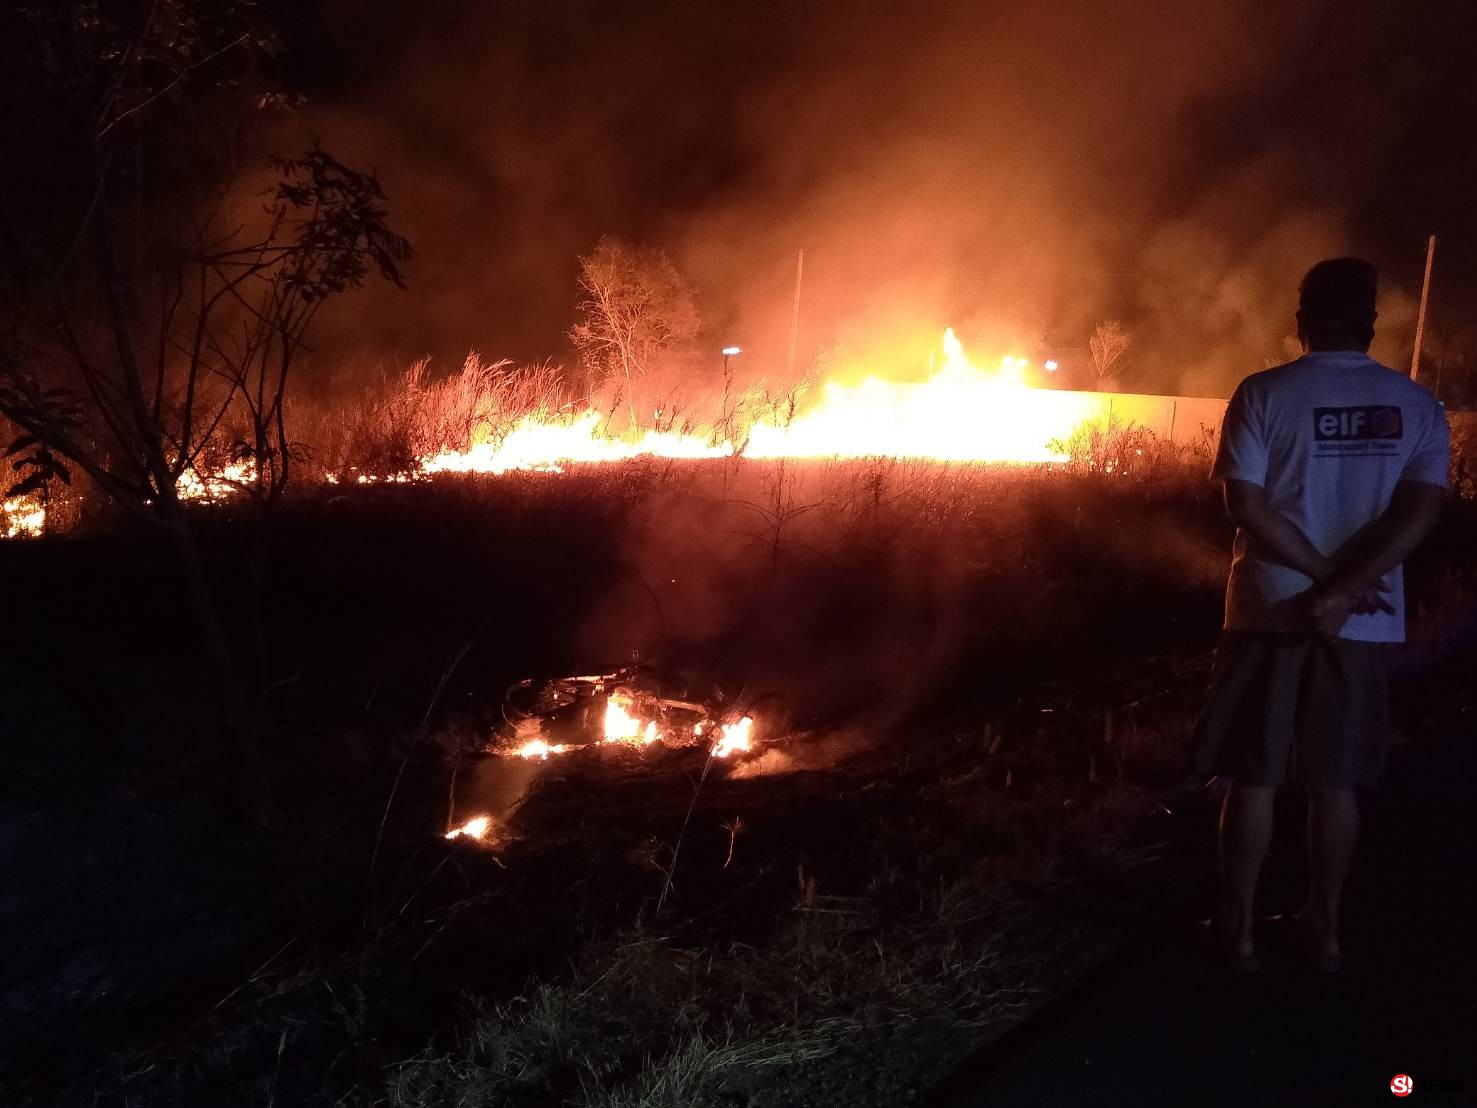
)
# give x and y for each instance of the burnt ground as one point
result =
(1028, 800)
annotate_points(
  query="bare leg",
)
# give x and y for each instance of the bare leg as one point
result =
(1333, 829)
(1246, 831)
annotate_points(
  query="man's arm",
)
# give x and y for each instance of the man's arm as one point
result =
(1275, 534)
(1284, 541)
(1414, 509)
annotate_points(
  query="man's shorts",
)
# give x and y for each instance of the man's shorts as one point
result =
(1320, 706)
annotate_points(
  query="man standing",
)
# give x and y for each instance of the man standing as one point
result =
(1333, 469)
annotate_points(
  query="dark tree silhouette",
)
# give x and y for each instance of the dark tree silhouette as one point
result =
(147, 319)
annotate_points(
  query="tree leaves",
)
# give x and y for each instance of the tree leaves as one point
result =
(635, 305)
(44, 467)
(340, 226)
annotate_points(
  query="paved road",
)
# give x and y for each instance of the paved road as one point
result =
(1161, 1026)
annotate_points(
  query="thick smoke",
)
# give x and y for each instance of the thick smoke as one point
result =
(1020, 171)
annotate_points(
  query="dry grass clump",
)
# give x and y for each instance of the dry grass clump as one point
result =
(1112, 447)
(389, 426)
(642, 1021)
(1464, 453)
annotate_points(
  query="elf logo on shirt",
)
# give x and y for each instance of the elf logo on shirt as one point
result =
(1357, 424)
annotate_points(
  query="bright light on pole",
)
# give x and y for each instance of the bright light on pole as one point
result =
(728, 352)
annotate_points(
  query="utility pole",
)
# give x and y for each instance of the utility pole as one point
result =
(1420, 317)
(795, 314)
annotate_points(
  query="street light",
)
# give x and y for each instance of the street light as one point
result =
(728, 352)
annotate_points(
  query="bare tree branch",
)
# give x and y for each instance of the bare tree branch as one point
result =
(180, 76)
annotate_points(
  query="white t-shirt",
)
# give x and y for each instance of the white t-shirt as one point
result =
(1328, 436)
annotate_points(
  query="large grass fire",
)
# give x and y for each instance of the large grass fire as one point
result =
(960, 412)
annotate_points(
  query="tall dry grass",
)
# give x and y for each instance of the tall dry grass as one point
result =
(388, 426)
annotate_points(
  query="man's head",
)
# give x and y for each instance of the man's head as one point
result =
(1336, 305)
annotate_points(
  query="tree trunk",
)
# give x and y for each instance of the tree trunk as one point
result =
(253, 789)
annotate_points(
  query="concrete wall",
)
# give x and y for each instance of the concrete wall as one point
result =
(1176, 418)
(1180, 419)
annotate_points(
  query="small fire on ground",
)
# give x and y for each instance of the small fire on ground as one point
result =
(624, 725)
(476, 828)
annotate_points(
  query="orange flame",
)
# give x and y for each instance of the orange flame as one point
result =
(21, 516)
(623, 727)
(217, 484)
(538, 444)
(475, 828)
(736, 738)
(539, 748)
(961, 414)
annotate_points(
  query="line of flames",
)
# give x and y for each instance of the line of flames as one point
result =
(25, 516)
(961, 413)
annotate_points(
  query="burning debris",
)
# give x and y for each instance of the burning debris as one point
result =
(21, 517)
(632, 707)
(621, 726)
(537, 748)
(476, 828)
(625, 708)
(735, 738)
(220, 484)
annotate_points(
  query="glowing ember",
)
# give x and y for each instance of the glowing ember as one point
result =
(475, 828)
(736, 737)
(227, 481)
(21, 516)
(623, 727)
(539, 748)
(24, 516)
